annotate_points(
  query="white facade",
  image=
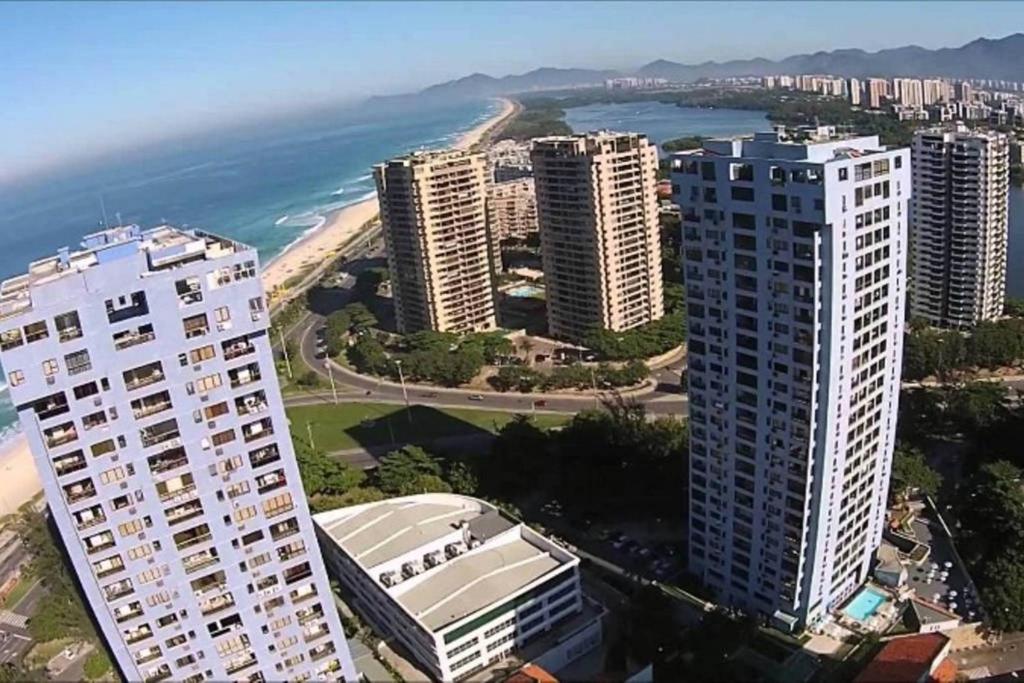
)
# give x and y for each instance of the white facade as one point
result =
(958, 227)
(457, 583)
(794, 268)
(144, 379)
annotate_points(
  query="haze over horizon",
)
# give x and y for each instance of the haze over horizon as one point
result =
(86, 80)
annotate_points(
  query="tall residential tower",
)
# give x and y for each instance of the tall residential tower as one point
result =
(958, 226)
(794, 267)
(597, 207)
(142, 373)
(433, 207)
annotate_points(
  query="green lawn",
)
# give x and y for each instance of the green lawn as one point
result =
(24, 583)
(351, 425)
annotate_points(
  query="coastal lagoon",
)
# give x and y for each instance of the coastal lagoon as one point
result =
(662, 122)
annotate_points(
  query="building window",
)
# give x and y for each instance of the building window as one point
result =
(50, 367)
(78, 362)
(222, 314)
(36, 331)
(10, 339)
(244, 271)
(196, 326)
(202, 353)
(15, 377)
(68, 326)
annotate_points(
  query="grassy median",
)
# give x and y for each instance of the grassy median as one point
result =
(362, 425)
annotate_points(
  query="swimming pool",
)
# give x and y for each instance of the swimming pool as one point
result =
(865, 604)
(525, 291)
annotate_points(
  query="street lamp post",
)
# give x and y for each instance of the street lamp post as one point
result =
(284, 349)
(405, 392)
(593, 381)
(330, 374)
(309, 431)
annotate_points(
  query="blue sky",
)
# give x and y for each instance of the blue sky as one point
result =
(79, 79)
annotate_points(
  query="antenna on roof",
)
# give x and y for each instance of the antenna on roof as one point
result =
(103, 209)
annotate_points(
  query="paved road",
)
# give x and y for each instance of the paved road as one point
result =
(356, 387)
(14, 643)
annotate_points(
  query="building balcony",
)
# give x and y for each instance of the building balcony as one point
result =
(270, 481)
(192, 537)
(309, 614)
(60, 435)
(79, 491)
(143, 408)
(236, 348)
(177, 515)
(321, 651)
(86, 519)
(129, 338)
(118, 590)
(216, 604)
(240, 663)
(297, 573)
(161, 673)
(143, 377)
(168, 460)
(68, 464)
(302, 594)
(161, 433)
(264, 456)
(200, 560)
(245, 375)
(319, 630)
(257, 430)
(148, 655)
(137, 635)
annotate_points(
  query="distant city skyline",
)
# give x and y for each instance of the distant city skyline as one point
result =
(84, 79)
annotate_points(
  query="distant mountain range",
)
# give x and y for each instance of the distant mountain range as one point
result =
(982, 58)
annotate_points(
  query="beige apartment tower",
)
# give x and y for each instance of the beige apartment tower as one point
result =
(597, 209)
(958, 226)
(433, 208)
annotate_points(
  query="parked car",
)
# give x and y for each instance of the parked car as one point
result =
(476, 397)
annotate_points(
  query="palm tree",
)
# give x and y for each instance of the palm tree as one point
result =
(526, 346)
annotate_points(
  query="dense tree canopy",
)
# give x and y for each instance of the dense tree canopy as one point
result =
(408, 471)
(911, 474)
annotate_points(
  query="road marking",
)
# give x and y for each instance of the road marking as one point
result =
(13, 619)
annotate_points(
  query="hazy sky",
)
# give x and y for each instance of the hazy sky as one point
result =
(78, 79)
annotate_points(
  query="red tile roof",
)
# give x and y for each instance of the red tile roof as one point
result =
(531, 673)
(907, 660)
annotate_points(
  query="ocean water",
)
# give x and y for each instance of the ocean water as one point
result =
(264, 185)
(662, 122)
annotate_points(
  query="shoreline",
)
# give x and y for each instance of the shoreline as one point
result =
(21, 481)
(321, 245)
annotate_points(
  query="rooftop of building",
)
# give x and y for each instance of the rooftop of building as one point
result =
(814, 144)
(422, 157)
(910, 659)
(498, 556)
(591, 141)
(164, 246)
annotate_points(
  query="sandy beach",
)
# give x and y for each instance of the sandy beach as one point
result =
(20, 481)
(323, 244)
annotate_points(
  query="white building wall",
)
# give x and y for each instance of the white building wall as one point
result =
(160, 583)
(787, 494)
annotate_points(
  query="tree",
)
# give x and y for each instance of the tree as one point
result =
(308, 379)
(977, 406)
(1003, 592)
(409, 470)
(97, 665)
(1014, 307)
(911, 473)
(325, 476)
(461, 478)
(996, 344)
(368, 356)
(516, 378)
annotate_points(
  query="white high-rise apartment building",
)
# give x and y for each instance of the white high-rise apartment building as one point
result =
(794, 267)
(958, 226)
(877, 90)
(433, 206)
(854, 88)
(143, 375)
(597, 207)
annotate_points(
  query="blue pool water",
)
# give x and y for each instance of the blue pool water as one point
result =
(865, 604)
(525, 291)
